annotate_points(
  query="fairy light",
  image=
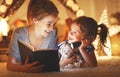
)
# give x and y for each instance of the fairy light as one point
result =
(3, 8)
(104, 20)
(9, 7)
(79, 13)
(75, 7)
(69, 3)
(4, 28)
(8, 2)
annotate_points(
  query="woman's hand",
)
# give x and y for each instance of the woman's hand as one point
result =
(67, 61)
(12, 65)
(33, 67)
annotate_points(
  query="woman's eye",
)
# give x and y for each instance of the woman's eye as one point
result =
(49, 25)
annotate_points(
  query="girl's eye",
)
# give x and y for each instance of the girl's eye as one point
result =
(74, 32)
(48, 24)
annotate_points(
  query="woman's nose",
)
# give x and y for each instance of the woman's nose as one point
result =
(52, 27)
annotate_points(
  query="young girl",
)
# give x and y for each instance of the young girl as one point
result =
(83, 29)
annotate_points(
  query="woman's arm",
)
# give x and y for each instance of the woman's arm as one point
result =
(14, 54)
(32, 68)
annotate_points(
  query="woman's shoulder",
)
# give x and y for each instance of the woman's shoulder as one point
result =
(21, 29)
(21, 33)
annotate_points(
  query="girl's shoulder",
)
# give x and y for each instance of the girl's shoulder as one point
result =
(62, 43)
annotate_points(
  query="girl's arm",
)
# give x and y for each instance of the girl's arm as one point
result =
(67, 61)
(89, 57)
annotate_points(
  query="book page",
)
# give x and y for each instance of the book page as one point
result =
(27, 45)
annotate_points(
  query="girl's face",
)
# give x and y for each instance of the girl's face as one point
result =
(75, 34)
(46, 25)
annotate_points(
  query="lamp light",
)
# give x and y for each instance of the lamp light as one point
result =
(80, 12)
(4, 27)
(3, 8)
(9, 2)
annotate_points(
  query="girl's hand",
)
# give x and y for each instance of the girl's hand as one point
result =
(87, 51)
(33, 67)
(67, 61)
(85, 43)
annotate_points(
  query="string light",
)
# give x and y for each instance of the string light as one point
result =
(3, 8)
(8, 7)
(4, 28)
(73, 7)
(69, 3)
(79, 13)
(9, 2)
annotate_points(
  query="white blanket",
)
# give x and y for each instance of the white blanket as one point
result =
(107, 67)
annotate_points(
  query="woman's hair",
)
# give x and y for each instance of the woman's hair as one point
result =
(40, 9)
(90, 28)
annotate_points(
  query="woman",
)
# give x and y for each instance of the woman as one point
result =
(40, 34)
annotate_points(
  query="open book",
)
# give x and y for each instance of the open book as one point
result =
(49, 57)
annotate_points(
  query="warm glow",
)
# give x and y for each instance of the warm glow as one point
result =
(3, 8)
(75, 7)
(4, 28)
(70, 3)
(9, 2)
(1, 38)
(80, 13)
(20, 23)
(104, 20)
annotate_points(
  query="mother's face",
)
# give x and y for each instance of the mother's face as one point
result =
(46, 25)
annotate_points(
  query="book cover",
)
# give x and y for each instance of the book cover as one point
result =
(49, 57)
